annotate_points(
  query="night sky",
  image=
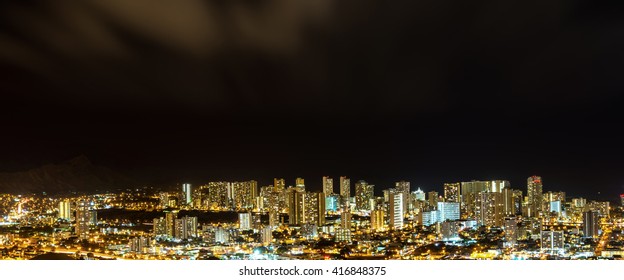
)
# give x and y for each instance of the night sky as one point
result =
(427, 91)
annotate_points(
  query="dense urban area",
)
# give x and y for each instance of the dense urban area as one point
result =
(239, 220)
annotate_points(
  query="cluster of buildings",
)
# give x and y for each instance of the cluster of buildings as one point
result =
(510, 220)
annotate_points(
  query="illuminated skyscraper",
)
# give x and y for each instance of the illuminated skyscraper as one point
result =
(160, 227)
(64, 210)
(517, 201)
(83, 219)
(314, 208)
(448, 211)
(185, 228)
(163, 199)
(218, 195)
(187, 194)
(363, 195)
(419, 195)
(511, 231)
(591, 224)
(244, 221)
(378, 220)
(433, 198)
(279, 184)
(295, 200)
(139, 244)
(328, 186)
(534, 195)
(451, 192)
(243, 194)
(512, 201)
(395, 211)
(345, 190)
(404, 188)
(170, 217)
(332, 203)
(622, 199)
(300, 184)
(489, 209)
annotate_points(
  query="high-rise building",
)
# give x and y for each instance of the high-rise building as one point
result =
(332, 203)
(378, 220)
(345, 219)
(64, 211)
(395, 211)
(622, 199)
(244, 221)
(279, 184)
(591, 224)
(601, 206)
(451, 192)
(363, 195)
(160, 227)
(489, 209)
(517, 202)
(185, 228)
(218, 195)
(552, 242)
(404, 188)
(511, 231)
(300, 184)
(328, 186)
(83, 218)
(163, 200)
(243, 194)
(470, 191)
(511, 202)
(534, 194)
(170, 217)
(419, 195)
(433, 199)
(345, 190)
(139, 244)
(187, 194)
(295, 199)
(448, 211)
(314, 208)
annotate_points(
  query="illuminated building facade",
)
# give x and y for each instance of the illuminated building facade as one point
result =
(363, 195)
(345, 190)
(591, 224)
(64, 210)
(187, 194)
(433, 199)
(395, 211)
(448, 211)
(244, 221)
(378, 220)
(314, 208)
(185, 228)
(451, 192)
(328, 186)
(243, 194)
(489, 209)
(83, 218)
(534, 194)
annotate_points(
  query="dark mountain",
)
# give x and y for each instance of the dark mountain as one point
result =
(75, 175)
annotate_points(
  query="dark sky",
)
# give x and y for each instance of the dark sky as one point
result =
(428, 91)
